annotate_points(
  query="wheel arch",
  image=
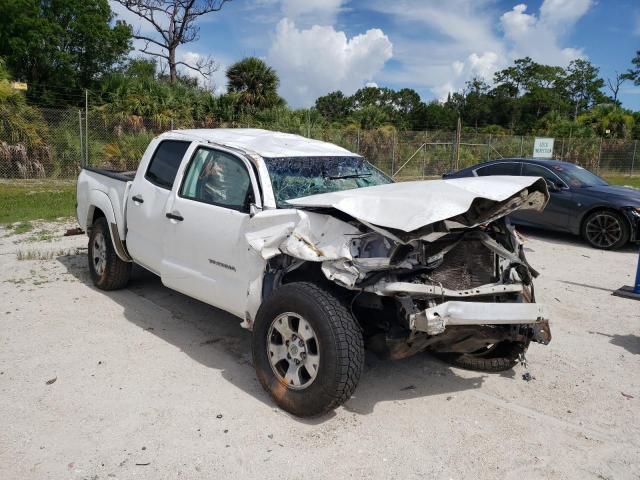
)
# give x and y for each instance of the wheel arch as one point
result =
(100, 206)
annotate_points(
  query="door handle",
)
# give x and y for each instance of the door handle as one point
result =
(173, 216)
(137, 198)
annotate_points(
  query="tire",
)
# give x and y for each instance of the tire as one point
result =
(498, 358)
(108, 271)
(606, 230)
(306, 310)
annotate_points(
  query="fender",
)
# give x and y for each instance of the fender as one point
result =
(100, 200)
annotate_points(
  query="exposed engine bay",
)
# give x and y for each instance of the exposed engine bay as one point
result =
(457, 285)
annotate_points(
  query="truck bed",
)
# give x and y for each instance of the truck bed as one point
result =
(106, 190)
(124, 176)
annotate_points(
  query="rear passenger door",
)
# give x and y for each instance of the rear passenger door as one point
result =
(146, 204)
(561, 203)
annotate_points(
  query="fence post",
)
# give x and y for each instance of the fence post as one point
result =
(633, 158)
(599, 156)
(562, 150)
(82, 162)
(521, 146)
(86, 126)
(358, 142)
(393, 155)
(424, 154)
(489, 149)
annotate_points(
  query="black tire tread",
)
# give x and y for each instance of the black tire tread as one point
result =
(348, 342)
(117, 272)
(505, 360)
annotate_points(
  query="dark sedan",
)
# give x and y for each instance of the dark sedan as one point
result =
(581, 202)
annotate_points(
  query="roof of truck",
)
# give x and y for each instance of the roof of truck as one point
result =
(265, 143)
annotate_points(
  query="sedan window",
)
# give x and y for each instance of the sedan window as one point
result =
(531, 170)
(501, 168)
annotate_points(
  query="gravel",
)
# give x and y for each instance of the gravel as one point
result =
(150, 367)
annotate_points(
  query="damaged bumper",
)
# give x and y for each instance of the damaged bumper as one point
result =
(434, 320)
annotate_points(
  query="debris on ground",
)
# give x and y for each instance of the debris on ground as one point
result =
(408, 387)
(627, 396)
(73, 231)
(53, 380)
(219, 415)
(527, 377)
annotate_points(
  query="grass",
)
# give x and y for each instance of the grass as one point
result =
(25, 200)
(624, 180)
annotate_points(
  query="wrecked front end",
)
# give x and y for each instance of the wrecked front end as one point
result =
(458, 284)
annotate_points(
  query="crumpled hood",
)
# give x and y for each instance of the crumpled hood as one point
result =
(408, 206)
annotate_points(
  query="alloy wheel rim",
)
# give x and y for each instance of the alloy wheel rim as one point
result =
(293, 350)
(604, 230)
(99, 253)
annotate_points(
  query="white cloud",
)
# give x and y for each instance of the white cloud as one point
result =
(464, 41)
(371, 85)
(537, 36)
(314, 61)
(316, 12)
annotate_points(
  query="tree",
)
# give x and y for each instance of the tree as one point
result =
(334, 106)
(60, 46)
(583, 85)
(255, 83)
(615, 84)
(174, 22)
(633, 73)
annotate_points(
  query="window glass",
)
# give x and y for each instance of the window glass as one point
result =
(219, 179)
(502, 168)
(295, 177)
(531, 170)
(165, 162)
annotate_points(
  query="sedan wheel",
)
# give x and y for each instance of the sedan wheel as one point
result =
(606, 230)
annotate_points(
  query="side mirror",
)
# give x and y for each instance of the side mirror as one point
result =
(552, 186)
(254, 209)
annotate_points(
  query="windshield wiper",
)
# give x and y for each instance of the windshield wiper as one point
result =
(354, 175)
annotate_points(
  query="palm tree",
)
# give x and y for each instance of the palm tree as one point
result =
(255, 84)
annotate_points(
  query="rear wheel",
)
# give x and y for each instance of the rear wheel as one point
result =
(498, 357)
(307, 349)
(108, 271)
(606, 229)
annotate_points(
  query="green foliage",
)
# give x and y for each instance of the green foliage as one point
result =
(255, 84)
(26, 200)
(60, 46)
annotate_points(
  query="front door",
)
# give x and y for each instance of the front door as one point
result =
(561, 203)
(205, 253)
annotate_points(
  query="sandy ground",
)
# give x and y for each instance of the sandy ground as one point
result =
(151, 384)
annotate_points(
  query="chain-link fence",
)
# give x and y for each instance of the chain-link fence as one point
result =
(58, 142)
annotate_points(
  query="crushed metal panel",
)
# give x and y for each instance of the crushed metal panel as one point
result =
(408, 206)
(304, 235)
(434, 320)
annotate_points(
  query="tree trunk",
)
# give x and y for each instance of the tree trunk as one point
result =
(173, 71)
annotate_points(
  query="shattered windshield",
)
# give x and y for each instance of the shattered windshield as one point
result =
(302, 176)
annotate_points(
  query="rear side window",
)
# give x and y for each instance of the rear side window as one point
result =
(165, 162)
(502, 168)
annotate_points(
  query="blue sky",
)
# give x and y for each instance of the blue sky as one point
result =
(433, 46)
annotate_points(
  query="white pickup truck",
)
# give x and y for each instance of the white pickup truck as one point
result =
(320, 254)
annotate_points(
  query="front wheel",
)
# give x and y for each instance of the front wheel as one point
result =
(307, 348)
(606, 230)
